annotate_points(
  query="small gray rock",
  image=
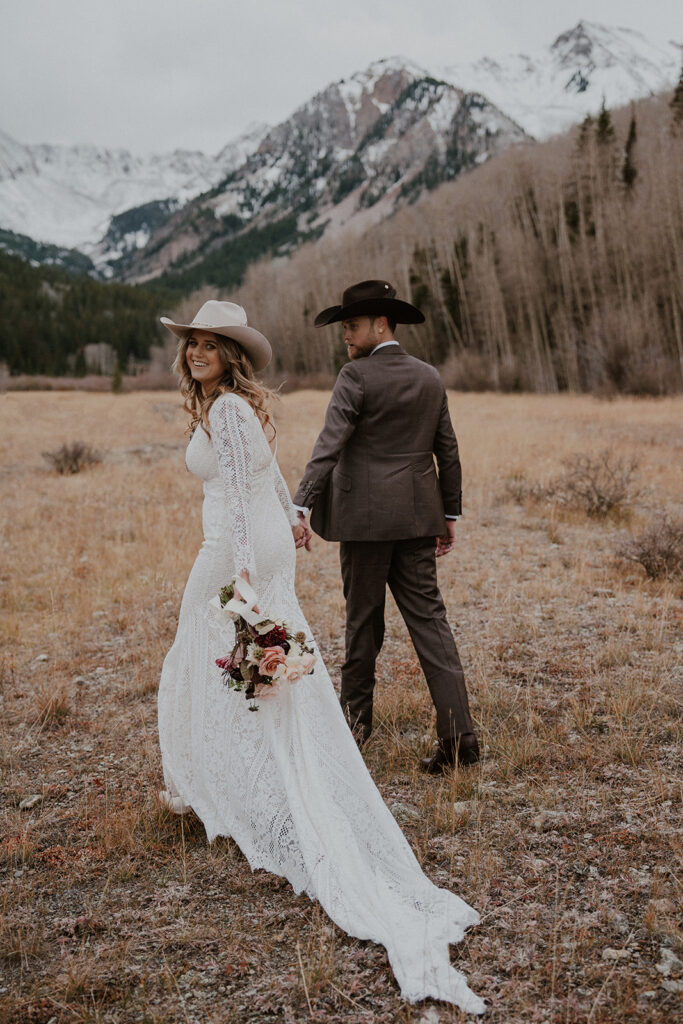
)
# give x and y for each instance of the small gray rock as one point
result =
(615, 954)
(30, 802)
(668, 961)
(403, 813)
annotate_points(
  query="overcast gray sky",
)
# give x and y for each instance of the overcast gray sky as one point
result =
(154, 75)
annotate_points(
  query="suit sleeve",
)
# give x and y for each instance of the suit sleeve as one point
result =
(448, 461)
(340, 422)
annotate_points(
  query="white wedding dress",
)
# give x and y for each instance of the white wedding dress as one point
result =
(288, 782)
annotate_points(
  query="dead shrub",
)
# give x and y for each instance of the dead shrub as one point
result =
(659, 548)
(599, 485)
(520, 490)
(72, 457)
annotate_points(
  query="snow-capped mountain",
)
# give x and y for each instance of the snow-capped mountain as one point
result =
(350, 154)
(353, 151)
(547, 92)
(67, 195)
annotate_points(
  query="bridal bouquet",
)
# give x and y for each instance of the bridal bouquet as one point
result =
(266, 653)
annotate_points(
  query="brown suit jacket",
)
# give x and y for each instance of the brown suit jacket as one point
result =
(372, 474)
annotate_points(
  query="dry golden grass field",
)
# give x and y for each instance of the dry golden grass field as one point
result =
(567, 836)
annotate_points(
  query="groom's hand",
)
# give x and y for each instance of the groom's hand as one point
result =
(302, 533)
(446, 542)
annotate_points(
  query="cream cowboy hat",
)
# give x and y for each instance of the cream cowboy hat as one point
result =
(230, 320)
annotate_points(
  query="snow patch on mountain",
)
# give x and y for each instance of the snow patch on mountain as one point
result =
(548, 92)
(67, 195)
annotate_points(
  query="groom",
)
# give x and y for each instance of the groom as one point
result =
(372, 485)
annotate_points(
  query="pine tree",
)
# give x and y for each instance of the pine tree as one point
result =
(604, 129)
(585, 130)
(117, 380)
(80, 369)
(605, 139)
(677, 104)
(628, 170)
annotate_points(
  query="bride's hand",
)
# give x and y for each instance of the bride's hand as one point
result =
(302, 535)
(245, 576)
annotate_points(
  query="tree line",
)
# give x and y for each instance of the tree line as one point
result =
(556, 265)
(50, 316)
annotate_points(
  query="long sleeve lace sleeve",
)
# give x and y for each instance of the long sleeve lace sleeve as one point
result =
(285, 498)
(230, 437)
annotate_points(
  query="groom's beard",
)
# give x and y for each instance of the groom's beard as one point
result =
(361, 351)
(358, 353)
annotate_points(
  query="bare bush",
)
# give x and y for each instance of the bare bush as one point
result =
(520, 490)
(599, 484)
(72, 457)
(659, 548)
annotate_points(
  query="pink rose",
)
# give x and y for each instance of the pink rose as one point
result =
(309, 661)
(295, 667)
(272, 658)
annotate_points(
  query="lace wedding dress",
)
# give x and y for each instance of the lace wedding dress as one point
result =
(288, 782)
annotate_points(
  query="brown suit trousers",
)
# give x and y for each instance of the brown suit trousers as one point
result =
(409, 568)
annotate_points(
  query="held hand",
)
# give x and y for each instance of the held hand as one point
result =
(299, 534)
(446, 542)
(302, 540)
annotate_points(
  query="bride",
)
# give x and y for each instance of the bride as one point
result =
(288, 784)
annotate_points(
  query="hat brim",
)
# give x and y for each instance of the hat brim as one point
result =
(395, 309)
(255, 344)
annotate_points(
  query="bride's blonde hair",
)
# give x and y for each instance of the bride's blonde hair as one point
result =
(238, 379)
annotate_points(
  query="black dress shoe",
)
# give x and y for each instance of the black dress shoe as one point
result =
(461, 751)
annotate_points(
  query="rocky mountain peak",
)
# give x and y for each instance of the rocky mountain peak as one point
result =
(574, 45)
(356, 149)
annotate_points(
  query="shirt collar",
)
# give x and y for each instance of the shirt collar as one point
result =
(383, 344)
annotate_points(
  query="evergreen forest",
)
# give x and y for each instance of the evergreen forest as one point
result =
(49, 316)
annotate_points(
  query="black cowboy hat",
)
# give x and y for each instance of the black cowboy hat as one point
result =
(370, 298)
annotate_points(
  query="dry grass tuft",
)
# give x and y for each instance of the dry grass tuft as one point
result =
(659, 548)
(52, 705)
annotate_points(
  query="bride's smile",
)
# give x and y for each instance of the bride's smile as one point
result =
(203, 359)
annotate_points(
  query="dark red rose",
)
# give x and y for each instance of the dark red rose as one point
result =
(276, 638)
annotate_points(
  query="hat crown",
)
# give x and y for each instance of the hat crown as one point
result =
(367, 291)
(215, 314)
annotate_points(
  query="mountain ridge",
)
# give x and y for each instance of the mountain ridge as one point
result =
(113, 206)
(371, 141)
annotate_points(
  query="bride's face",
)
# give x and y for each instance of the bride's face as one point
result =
(203, 359)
